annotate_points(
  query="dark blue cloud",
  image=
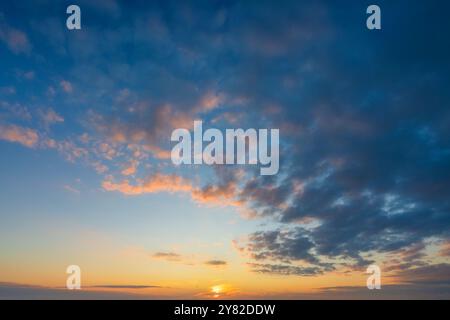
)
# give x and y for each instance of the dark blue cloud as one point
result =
(367, 121)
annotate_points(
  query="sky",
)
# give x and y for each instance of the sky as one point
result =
(86, 176)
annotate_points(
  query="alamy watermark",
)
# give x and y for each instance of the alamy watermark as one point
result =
(373, 22)
(73, 22)
(241, 147)
(374, 280)
(73, 281)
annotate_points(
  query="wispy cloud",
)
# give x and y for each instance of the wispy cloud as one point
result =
(216, 263)
(16, 40)
(115, 286)
(49, 117)
(14, 291)
(66, 86)
(170, 256)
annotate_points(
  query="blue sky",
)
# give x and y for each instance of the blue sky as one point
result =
(85, 123)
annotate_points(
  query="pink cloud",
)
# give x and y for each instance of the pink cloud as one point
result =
(15, 40)
(24, 136)
(66, 86)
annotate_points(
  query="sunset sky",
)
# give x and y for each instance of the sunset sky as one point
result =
(85, 171)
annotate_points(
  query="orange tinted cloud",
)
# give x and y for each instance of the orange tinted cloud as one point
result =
(217, 195)
(131, 168)
(209, 102)
(157, 152)
(156, 183)
(213, 195)
(24, 136)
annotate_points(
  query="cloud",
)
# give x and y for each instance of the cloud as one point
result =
(16, 111)
(169, 256)
(285, 246)
(427, 282)
(66, 86)
(445, 249)
(363, 165)
(29, 75)
(15, 291)
(209, 102)
(154, 184)
(8, 90)
(71, 189)
(70, 150)
(275, 245)
(131, 168)
(50, 117)
(388, 292)
(99, 167)
(215, 195)
(371, 157)
(16, 40)
(149, 123)
(222, 194)
(189, 260)
(25, 136)
(426, 275)
(285, 270)
(216, 263)
(114, 286)
(406, 258)
(364, 136)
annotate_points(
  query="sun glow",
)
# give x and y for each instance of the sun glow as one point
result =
(217, 290)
